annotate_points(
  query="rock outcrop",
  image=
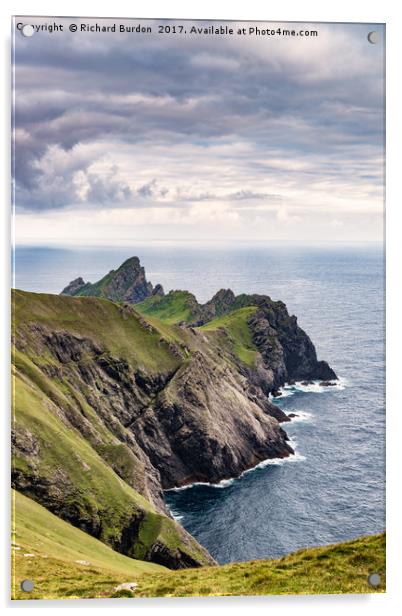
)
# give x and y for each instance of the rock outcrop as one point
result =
(287, 352)
(202, 418)
(126, 284)
(209, 425)
(74, 287)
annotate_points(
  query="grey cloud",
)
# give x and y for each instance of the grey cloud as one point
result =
(130, 90)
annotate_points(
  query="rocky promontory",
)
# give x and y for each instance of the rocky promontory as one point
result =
(128, 283)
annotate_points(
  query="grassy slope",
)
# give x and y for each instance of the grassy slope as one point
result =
(118, 330)
(64, 454)
(176, 307)
(56, 547)
(331, 569)
(95, 289)
(341, 568)
(236, 327)
(95, 486)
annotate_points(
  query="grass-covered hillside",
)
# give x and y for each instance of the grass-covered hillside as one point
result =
(332, 569)
(127, 283)
(175, 307)
(64, 562)
(106, 323)
(233, 332)
(81, 371)
(61, 559)
(112, 404)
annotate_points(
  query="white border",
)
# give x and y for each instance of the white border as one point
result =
(342, 11)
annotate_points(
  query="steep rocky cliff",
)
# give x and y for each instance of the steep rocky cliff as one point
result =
(84, 369)
(286, 352)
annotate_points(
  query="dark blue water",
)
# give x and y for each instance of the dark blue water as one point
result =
(334, 488)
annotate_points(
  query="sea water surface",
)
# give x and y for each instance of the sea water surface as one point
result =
(333, 488)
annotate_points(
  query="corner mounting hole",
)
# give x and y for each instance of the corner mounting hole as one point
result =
(27, 30)
(27, 585)
(373, 37)
(374, 579)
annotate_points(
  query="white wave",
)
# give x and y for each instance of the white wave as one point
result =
(224, 483)
(175, 515)
(297, 457)
(301, 416)
(313, 387)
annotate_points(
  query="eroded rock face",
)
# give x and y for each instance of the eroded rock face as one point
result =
(209, 425)
(158, 290)
(221, 303)
(204, 422)
(101, 398)
(126, 284)
(286, 350)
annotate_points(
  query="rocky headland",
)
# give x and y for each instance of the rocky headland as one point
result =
(128, 283)
(123, 392)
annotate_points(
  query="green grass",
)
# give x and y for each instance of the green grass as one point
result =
(78, 468)
(83, 481)
(175, 307)
(56, 546)
(235, 326)
(106, 323)
(333, 569)
(181, 306)
(103, 288)
(94, 489)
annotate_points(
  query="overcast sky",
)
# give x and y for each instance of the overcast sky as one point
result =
(147, 136)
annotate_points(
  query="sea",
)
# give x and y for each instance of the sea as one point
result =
(333, 489)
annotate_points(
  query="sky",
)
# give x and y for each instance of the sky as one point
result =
(129, 136)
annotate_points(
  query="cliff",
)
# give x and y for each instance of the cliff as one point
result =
(115, 403)
(283, 351)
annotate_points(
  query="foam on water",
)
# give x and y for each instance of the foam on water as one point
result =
(314, 387)
(301, 416)
(224, 483)
(176, 516)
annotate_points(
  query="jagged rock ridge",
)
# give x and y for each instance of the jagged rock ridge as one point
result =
(128, 283)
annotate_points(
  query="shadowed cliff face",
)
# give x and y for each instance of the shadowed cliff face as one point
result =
(208, 425)
(285, 348)
(76, 396)
(199, 419)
